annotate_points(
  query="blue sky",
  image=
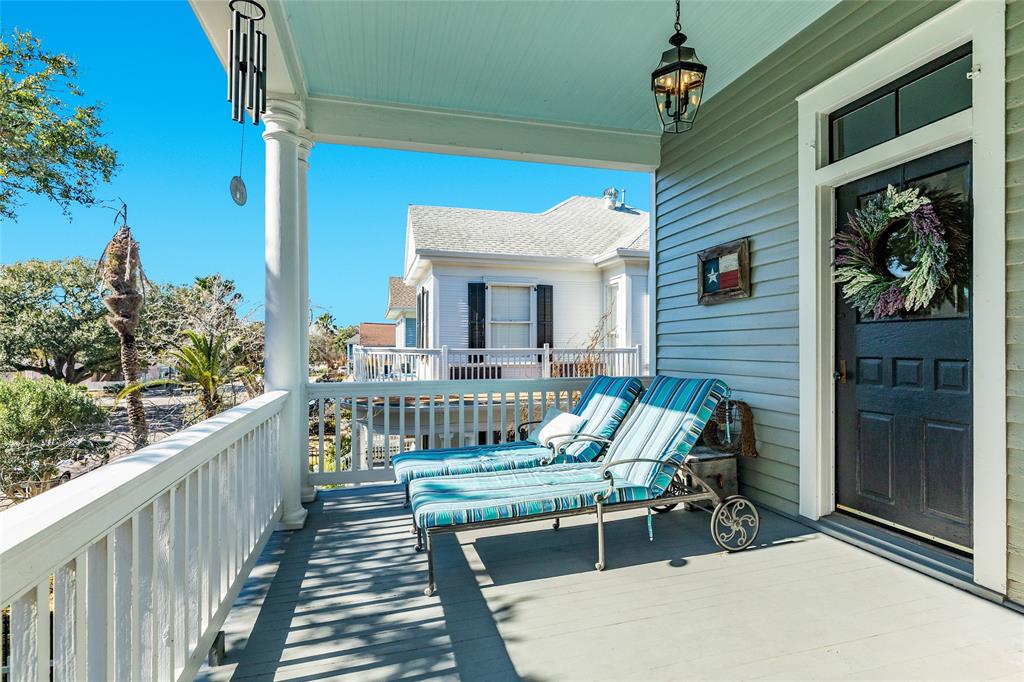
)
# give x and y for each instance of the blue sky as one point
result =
(170, 123)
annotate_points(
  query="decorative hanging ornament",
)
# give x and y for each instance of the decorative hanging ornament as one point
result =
(901, 253)
(678, 83)
(247, 64)
(247, 75)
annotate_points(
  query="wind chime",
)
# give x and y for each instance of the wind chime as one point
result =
(247, 75)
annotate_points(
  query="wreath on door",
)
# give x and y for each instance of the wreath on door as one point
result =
(902, 252)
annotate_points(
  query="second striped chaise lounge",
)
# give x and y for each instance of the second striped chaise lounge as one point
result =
(604, 404)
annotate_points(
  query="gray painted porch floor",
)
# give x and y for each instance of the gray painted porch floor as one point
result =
(342, 599)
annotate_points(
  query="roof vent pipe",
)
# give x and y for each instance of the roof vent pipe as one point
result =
(622, 204)
(611, 198)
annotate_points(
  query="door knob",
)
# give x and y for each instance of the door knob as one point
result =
(840, 374)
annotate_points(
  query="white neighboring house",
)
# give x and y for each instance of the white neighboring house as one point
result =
(503, 279)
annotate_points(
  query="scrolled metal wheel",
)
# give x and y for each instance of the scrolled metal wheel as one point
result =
(734, 523)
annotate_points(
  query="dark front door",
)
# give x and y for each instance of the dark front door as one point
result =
(903, 385)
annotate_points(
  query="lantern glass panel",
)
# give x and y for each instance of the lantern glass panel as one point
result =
(678, 84)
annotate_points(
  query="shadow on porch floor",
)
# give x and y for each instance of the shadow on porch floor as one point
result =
(343, 599)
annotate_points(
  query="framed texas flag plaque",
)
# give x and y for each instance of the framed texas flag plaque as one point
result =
(723, 272)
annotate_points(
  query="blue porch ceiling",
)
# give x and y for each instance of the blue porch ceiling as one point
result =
(579, 63)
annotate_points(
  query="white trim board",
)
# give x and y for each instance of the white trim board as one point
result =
(983, 23)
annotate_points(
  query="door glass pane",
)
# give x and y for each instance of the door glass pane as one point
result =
(510, 304)
(941, 93)
(872, 124)
(952, 187)
(510, 336)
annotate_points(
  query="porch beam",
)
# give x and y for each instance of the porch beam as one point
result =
(456, 132)
(283, 368)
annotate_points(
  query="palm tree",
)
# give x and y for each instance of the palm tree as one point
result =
(121, 273)
(207, 363)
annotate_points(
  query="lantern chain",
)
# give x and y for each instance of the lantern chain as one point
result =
(679, 27)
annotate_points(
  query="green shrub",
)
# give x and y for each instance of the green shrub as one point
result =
(38, 410)
(43, 421)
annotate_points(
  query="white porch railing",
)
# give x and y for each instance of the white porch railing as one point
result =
(145, 556)
(357, 428)
(444, 364)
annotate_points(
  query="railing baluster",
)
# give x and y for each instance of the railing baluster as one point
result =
(432, 422)
(30, 656)
(337, 435)
(401, 423)
(142, 599)
(447, 442)
(320, 434)
(489, 438)
(119, 602)
(371, 440)
(355, 459)
(65, 618)
(503, 435)
(387, 432)
(97, 604)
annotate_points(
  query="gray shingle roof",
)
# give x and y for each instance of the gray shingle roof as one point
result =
(579, 227)
(399, 294)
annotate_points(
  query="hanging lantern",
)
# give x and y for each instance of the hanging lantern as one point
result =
(247, 64)
(678, 83)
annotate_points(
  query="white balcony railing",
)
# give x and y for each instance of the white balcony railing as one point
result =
(357, 428)
(128, 572)
(443, 364)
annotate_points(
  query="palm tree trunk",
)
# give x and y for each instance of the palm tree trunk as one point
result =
(136, 410)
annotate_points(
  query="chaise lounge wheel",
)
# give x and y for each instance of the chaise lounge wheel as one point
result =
(734, 523)
(429, 591)
(599, 566)
(662, 508)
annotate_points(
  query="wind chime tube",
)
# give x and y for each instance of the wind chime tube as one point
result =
(235, 66)
(243, 81)
(262, 76)
(250, 71)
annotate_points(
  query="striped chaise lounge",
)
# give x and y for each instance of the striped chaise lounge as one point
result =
(646, 463)
(604, 404)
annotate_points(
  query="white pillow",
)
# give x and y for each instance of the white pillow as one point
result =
(556, 423)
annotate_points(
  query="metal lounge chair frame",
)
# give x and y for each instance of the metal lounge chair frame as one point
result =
(734, 519)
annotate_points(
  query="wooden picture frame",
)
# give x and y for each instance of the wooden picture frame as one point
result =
(723, 272)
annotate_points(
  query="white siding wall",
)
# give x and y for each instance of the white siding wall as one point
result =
(400, 333)
(576, 292)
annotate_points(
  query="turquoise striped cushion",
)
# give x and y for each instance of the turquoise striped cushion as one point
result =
(667, 423)
(603, 404)
(455, 500)
(454, 461)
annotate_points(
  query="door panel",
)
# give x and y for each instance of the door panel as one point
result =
(904, 403)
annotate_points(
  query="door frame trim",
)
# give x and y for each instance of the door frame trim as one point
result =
(983, 23)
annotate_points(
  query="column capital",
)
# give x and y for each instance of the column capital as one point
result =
(306, 143)
(283, 120)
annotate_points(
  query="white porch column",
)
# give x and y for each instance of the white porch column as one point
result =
(305, 146)
(284, 264)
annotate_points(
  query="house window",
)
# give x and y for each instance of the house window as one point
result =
(934, 91)
(611, 315)
(410, 332)
(510, 316)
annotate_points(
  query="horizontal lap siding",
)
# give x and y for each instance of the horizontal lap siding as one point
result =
(1015, 295)
(735, 175)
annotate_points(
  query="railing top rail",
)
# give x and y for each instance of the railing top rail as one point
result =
(383, 389)
(41, 533)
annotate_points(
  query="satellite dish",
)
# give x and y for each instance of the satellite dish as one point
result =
(238, 192)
